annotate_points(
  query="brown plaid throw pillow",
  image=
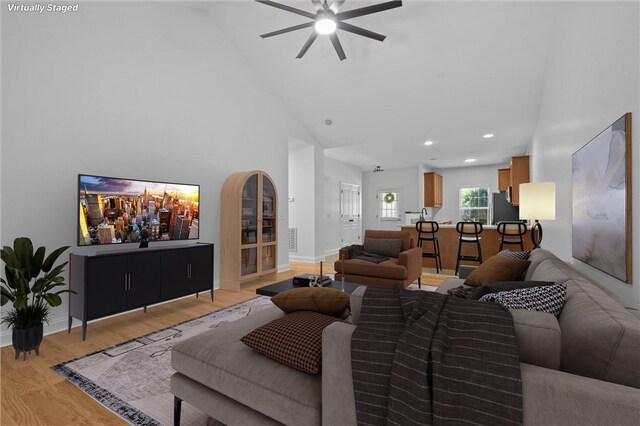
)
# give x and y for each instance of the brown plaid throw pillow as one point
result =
(294, 340)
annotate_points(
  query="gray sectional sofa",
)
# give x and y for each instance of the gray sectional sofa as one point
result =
(582, 368)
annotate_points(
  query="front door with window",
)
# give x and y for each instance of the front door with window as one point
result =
(389, 208)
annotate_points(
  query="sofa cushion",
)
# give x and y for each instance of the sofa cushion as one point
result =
(389, 247)
(220, 361)
(548, 299)
(538, 336)
(497, 268)
(294, 340)
(390, 269)
(328, 301)
(405, 236)
(600, 338)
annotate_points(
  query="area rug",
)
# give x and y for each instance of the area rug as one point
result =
(132, 378)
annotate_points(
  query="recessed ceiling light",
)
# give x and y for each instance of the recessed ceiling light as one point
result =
(470, 160)
(328, 122)
(488, 135)
(428, 143)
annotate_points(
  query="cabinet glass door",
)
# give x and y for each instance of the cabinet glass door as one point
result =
(268, 211)
(249, 226)
(249, 261)
(269, 257)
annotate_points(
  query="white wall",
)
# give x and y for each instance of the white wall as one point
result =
(148, 90)
(463, 177)
(389, 179)
(592, 80)
(302, 209)
(335, 172)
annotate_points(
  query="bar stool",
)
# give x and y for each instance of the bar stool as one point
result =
(469, 233)
(511, 233)
(427, 231)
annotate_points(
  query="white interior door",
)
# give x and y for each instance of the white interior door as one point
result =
(390, 209)
(351, 228)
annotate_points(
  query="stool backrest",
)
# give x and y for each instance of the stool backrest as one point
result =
(469, 228)
(512, 228)
(427, 227)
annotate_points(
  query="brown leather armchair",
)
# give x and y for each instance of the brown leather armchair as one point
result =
(405, 269)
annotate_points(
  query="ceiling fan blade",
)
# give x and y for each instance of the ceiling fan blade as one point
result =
(318, 5)
(288, 8)
(368, 9)
(360, 31)
(286, 30)
(337, 46)
(307, 45)
(336, 5)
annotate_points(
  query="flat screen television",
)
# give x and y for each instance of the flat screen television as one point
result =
(116, 210)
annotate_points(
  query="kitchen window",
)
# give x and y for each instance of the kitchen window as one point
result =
(474, 205)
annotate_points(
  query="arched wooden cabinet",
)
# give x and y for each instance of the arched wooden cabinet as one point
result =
(248, 229)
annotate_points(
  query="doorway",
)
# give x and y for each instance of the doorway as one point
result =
(350, 225)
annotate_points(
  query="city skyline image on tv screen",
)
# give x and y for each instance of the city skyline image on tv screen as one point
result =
(115, 211)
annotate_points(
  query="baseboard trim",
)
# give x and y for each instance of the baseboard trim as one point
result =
(55, 326)
(60, 324)
(306, 259)
(284, 267)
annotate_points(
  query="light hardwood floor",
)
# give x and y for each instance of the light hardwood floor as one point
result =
(32, 394)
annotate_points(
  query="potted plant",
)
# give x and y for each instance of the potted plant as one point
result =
(32, 295)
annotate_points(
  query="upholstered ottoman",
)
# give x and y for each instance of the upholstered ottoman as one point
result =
(222, 377)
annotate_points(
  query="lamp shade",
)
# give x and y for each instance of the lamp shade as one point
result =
(538, 200)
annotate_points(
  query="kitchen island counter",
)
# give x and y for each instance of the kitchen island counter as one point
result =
(448, 238)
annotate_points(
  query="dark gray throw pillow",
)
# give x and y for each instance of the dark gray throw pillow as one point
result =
(383, 246)
(506, 286)
(462, 292)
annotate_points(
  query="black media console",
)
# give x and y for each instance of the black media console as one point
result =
(114, 282)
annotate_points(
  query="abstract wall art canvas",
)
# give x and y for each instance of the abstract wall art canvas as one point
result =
(602, 201)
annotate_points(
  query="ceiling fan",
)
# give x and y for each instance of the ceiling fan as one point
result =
(327, 19)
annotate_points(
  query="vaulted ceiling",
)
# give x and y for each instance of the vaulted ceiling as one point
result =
(448, 71)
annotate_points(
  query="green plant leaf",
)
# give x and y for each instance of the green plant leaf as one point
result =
(24, 252)
(9, 257)
(51, 259)
(56, 271)
(22, 287)
(20, 303)
(40, 284)
(11, 275)
(6, 294)
(36, 263)
(52, 299)
(66, 291)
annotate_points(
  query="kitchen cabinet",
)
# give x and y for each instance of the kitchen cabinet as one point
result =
(504, 179)
(519, 173)
(432, 190)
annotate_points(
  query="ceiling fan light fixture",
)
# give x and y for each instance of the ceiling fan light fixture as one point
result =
(325, 26)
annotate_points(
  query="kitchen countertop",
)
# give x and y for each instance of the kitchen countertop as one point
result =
(452, 226)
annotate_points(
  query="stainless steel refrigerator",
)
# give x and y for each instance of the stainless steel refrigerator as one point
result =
(502, 210)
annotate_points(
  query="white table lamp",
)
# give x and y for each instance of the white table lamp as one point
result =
(537, 202)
